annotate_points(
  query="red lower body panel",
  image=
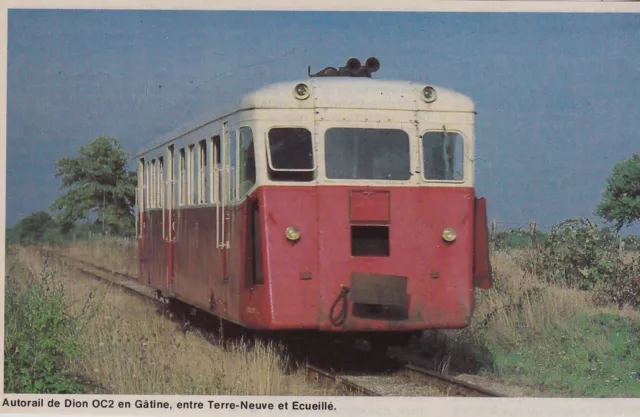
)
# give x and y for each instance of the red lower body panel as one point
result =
(367, 259)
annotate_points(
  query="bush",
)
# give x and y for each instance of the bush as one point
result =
(579, 254)
(40, 334)
(512, 239)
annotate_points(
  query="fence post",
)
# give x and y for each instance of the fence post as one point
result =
(532, 233)
(494, 227)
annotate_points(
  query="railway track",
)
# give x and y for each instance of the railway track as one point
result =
(452, 386)
(410, 379)
(323, 377)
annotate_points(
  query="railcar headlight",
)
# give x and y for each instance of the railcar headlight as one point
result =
(292, 233)
(449, 235)
(429, 94)
(301, 91)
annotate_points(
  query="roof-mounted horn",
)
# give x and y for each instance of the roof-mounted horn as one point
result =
(353, 68)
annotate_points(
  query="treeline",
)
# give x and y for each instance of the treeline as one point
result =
(99, 198)
(519, 238)
(41, 227)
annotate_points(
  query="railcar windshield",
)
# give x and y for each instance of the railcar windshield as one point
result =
(291, 154)
(367, 154)
(443, 156)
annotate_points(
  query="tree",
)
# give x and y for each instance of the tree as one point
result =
(621, 199)
(98, 183)
(35, 228)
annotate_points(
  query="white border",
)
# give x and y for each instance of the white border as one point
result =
(346, 405)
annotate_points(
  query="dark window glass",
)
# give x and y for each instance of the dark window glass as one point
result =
(443, 156)
(291, 151)
(247, 161)
(367, 154)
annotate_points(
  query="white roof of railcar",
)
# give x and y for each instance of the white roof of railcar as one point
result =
(338, 92)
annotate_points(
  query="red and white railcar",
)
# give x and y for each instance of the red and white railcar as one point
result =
(337, 203)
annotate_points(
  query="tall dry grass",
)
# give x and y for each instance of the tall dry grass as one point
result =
(519, 299)
(519, 325)
(127, 348)
(119, 255)
(520, 309)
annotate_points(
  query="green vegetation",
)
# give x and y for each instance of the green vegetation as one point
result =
(621, 199)
(39, 227)
(587, 355)
(578, 254)
(563, 316)
(98, 183)
(40, 332)
(515, 239)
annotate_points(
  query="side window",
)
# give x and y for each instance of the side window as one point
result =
(191, 176)
(247, 161)
(290, 155)
(202, 173)
(141, 185)
(182, 180)
(233, 166)
(443, 156)
(216, 165)
(160, 196)
(170, 177)
(147, 196)
(154, 181)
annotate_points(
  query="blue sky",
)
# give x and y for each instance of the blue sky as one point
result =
(556, 94)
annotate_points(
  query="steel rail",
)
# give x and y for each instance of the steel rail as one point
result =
(347, 385)
(462, 388)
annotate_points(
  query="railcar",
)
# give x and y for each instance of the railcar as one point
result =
(336, 203)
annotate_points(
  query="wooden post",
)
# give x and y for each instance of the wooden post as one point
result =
(532, 233)
(494, 227)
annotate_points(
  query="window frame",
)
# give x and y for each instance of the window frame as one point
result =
(364, 126)
(202, 172)
(465, 144)
(243, 161)
(191, 175)
(233, 152)
(314, 168)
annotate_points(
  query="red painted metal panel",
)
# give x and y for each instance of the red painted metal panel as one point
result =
(294, 301)
(482, 274)
(255, 310)
(169, 245)
(155, 248)
(369, 206)
(439, 274)
(304, 279)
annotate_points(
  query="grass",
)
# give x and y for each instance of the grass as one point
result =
(122, 346)
(593, 355)
(525, 332)
(40, 332)
(549, 337)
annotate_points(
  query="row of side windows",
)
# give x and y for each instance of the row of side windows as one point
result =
(200, 172)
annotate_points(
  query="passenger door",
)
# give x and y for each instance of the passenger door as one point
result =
(223, 215)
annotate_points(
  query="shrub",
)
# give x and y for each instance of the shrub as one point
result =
(579, 254)
(40, 334)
